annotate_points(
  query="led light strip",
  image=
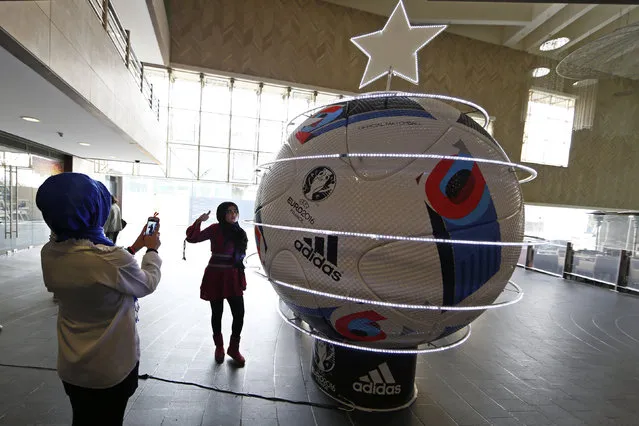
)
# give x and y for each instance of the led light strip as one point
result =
(518, 290)
(318, 336)
(530, 170)
(395, 237)
(390, 94)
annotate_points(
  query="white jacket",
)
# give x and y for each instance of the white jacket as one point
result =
(95, 285)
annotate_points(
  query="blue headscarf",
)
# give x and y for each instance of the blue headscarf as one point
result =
(75, 206)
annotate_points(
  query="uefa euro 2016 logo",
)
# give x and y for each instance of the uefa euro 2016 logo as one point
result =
(319, 183)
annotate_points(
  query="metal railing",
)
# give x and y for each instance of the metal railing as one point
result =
(121, 39)
(614, 268)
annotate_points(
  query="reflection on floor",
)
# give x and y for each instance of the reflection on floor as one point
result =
(567, 354)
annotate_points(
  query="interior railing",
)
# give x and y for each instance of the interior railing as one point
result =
(121, 39)
(610, 267)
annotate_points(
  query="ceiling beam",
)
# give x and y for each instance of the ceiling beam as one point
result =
(631, 18)
(477, 32)
(543, 13)
(593, 21)
(421, 12)
(552, 26)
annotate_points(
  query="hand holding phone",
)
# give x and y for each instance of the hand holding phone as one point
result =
(150, 235)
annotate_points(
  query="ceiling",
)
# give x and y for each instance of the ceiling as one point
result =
(24, 92)
(521, 26)
(134, 16)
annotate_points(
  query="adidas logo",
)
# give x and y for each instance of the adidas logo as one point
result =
(313, 249)
(378, 381)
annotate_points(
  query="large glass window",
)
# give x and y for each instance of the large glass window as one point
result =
(219, 129)
(185, 91)
(184, 126)
(243, 133)
(548, 128)
(216, 96)
(215, 129)
(300, 101)
(214, 164)
(270, 135)
(274, 103)
(244, 99)
(242, 166)
(183, 161)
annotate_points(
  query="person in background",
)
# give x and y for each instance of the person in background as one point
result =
(113, 224)
(224, 275)
(97, 285)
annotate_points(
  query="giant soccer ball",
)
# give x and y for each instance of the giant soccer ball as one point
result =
(449, 199)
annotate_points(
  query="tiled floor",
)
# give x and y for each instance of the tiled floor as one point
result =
(567, 354)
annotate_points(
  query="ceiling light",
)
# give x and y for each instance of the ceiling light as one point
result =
(30, 119)
(554, 44)
(540, 72)
(113, 156)
(84, 144)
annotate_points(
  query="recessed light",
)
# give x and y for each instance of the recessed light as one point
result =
(540, 72)
(113, 156)
(554, 44)
(30, 119)
(84, 144)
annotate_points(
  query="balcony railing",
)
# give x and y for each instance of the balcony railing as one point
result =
(121, 39)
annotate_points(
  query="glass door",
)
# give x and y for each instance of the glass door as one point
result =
(9, 215)
(21, 174)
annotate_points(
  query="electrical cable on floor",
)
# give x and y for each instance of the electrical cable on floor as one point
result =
(212, 388)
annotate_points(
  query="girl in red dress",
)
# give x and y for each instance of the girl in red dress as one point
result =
(224, 275)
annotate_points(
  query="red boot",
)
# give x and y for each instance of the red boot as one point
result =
(219, 348)
(234, 350)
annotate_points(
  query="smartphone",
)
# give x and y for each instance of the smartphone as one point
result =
(151, 225)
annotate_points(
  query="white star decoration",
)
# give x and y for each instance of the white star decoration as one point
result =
(394, 48)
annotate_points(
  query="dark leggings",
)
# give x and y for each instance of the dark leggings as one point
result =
(104, 407)
(237, 309)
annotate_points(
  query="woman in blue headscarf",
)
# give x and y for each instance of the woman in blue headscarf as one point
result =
(97, 285)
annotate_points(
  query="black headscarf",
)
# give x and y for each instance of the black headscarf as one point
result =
(232, 232)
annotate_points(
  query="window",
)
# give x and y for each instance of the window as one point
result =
(270, 135)
(185, 91)
(218, 129)
(243, 133)
(215, 130)
(244, 99)
(325, 99)
(183, 126)
(214, 164)
(182, 161)
(548, 128)
(216, 96)
(242, 166)
(299, 102)
(273, 103)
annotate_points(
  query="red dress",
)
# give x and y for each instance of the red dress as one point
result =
(221, 278)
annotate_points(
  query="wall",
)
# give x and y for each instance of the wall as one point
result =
(307, 42)
(67, 37)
